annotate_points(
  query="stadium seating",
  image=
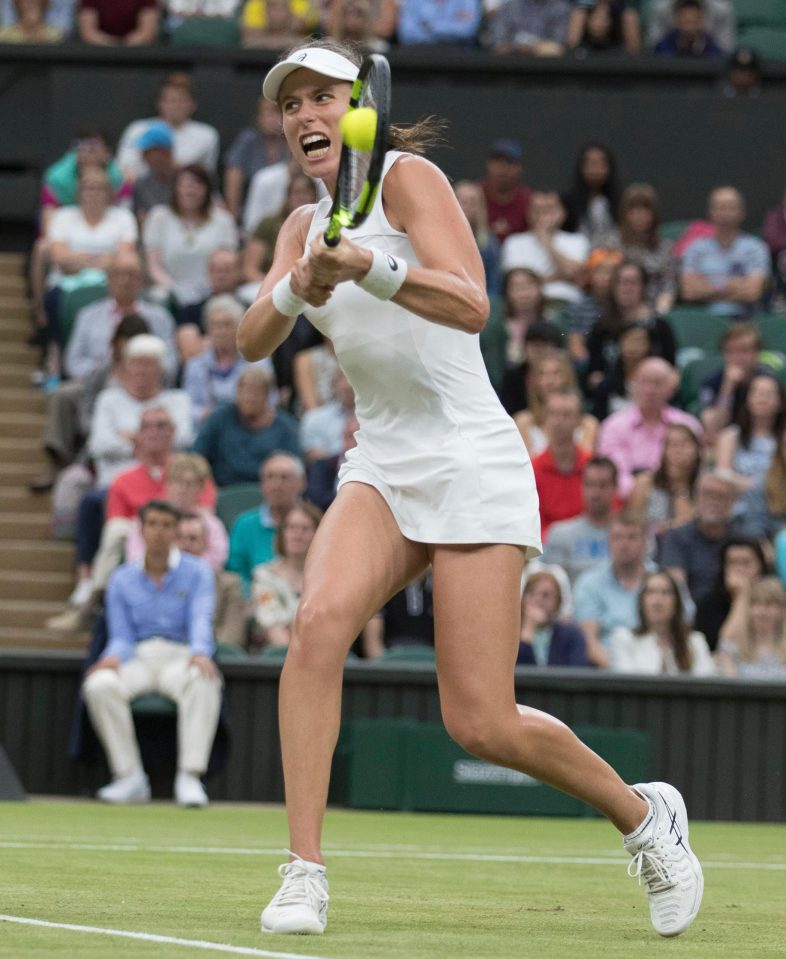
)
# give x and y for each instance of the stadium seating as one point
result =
(695, 326)
(760, 13)
(74, 301)
(768, 42)
(234, 500)
(693, 375)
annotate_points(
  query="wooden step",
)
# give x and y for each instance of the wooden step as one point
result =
(34, 526)
(32, 638)
(16, 374)
(21, 425)
(18, 399)
(17, 474)
(20, 449)
(13, 283)
(37, 556)
(14, 325)
(12, 299)
(19, 584)
(22, 499)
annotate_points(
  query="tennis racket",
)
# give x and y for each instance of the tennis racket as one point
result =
(359, 171)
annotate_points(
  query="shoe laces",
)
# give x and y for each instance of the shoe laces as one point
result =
(299, 884)
(650, 866)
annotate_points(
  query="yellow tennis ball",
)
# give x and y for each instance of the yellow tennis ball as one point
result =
(359, 127)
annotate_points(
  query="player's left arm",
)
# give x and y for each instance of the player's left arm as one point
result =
(449, 287)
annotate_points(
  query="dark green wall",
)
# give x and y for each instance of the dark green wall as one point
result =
(668, 123)
(722, 744)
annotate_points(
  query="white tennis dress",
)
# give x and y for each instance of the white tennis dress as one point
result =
(434, 439)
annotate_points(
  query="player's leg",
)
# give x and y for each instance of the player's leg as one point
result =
(477, 617)
(357, 561)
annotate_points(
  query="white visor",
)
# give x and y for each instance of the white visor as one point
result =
(318, 59)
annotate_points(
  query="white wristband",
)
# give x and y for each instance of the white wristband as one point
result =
(385, 277)
(285, 300)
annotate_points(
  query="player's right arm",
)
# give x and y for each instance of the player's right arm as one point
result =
(263, 328)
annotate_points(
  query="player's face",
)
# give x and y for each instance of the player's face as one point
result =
(311, 107)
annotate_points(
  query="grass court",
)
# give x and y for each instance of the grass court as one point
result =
(403, 886)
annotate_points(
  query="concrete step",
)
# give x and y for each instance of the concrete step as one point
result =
(28, 612)
(21, 353)
(15, 525)
(25, 639)
(21, 425)
(36, 556)
(47, 586)
(21, 499)
(12, 263)
(19, 449)
(14, 325)
(20, 399)
(16, 374)
(17, 474)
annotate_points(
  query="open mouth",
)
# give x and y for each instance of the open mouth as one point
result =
(315, 145)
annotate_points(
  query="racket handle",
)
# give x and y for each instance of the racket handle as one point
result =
(332, 240)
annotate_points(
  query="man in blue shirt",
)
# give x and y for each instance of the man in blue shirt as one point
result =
(159, 622)
(728, 271)
(237, 437)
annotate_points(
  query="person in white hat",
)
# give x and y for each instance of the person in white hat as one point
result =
(439, 476)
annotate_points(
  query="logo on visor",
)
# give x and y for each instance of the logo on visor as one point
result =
(301, 58)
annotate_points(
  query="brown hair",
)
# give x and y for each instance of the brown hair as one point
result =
(678, 628)
(418, 137)
(661, 478)
(537, 402)
(775, 479)
(639, 195)
(314, 513)
(199, 173)
(535, 578)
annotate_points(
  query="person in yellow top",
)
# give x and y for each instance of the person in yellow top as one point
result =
(31, 25)
(304, 11)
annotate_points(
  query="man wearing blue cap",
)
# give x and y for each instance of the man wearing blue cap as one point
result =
(155, 186)
(507, 200)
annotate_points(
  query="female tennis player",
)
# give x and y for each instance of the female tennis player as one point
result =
(439, 476)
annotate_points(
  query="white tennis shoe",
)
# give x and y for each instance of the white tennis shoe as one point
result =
(300, 905)
(664, 861)
(133, 788)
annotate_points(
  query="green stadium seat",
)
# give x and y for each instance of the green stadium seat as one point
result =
(694, 374)
(695, 326)
(673, 229)
(153, 704)
(229, 653)
(772, 327)
(760, 13)
(234, 500)
(768, 42)
(409, 653)
(206, 32)
(74, 301)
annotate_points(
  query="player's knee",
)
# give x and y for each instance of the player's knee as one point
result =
(321, 632)
(476, 733)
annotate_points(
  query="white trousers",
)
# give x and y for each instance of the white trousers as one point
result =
(158, 666)
(110, 550)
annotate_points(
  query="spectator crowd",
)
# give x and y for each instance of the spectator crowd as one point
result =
(660, 457)
(690, 29)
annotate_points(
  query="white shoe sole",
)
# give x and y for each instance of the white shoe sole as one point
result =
(295, 929)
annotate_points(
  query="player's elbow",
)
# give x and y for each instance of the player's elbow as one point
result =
(477, 315)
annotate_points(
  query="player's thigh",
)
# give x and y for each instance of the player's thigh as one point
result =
(358, 559)
(477, 613)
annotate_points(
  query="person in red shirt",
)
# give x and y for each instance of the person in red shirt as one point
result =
(507, 199)
(559, 468)
(125, 23)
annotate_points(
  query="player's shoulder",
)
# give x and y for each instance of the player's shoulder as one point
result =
(412, 168)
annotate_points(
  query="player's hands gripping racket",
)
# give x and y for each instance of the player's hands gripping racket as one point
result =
(362, 156)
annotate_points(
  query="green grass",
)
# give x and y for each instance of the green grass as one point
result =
(389, 905)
